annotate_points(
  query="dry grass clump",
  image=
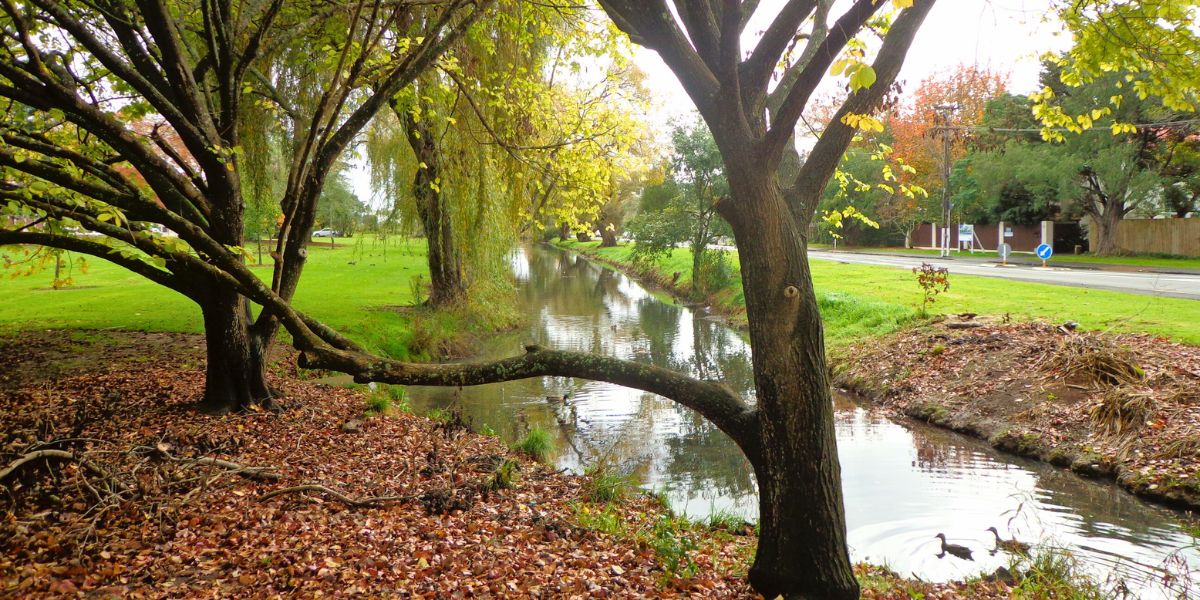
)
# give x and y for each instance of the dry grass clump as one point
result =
(1095, 359)
(1122, 409)
(1187, 447)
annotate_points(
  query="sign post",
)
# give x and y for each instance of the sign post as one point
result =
(1004, 250)
(966, 233)
(1044, 252)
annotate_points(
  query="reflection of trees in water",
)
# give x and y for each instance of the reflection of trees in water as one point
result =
(718, 353)
(704, 457)
(1099, 504)
(660, 325)
(943, 451)
(563, 284)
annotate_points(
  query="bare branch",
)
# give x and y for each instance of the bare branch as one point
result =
(756, 70)
(827, 152)
(793, 104)
(651, 24)
(336, 495)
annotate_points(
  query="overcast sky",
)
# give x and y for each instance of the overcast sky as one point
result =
(1004, 35)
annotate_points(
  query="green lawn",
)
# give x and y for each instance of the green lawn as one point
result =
(354, 288)
(862, 299)
(1160, 262)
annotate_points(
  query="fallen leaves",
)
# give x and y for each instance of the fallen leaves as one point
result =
(424, 518)
(196, 526)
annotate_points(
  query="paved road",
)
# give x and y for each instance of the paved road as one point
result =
(1157, 284)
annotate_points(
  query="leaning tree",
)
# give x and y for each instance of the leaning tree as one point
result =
(125, 115)
(787, 431)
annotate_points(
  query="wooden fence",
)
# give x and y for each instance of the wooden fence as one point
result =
(1156, 236)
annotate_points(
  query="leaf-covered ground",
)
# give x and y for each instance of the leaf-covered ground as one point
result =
(132, 494)
(1112, 405)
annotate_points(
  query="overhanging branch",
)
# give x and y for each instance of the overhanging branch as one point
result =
(714, 401)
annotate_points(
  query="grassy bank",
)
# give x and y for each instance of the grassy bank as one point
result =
(862, 300)
(363, 287)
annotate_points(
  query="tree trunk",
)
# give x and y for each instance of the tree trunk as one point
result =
(608, 237)
(802, 548)
(1106, 232)
(235, 376)
(698, 250)
(447, 286)
(583, 236)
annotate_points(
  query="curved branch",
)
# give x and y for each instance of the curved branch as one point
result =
(91, 248)
(716, 402)
(650, 23)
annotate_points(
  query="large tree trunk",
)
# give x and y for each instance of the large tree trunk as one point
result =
(1106, 232)
(235, 376)
(802, 548)
(608, 237)
(447, 286)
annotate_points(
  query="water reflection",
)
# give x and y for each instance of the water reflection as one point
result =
(903, 483)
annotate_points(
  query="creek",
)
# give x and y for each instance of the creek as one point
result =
(904, 482)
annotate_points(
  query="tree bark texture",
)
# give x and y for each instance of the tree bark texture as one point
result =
(235, 372)
(1106, 225)
(608, 237)
(802, 545)
(447, 286)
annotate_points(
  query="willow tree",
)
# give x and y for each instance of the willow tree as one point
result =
(77, 74)
(496, 134)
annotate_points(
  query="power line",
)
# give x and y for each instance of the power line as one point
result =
(1063, 129)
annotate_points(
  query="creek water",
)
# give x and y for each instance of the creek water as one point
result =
(904, 482)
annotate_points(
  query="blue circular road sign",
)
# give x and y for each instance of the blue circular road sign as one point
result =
(1044, 251)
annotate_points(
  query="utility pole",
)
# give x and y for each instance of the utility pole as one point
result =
(943, 125)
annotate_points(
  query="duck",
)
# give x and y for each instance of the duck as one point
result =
(1010, 546)
(562, 398)
(962, 552)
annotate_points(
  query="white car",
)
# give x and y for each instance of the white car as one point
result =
(326, 232)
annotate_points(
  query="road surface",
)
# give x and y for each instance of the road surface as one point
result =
(1156, 284)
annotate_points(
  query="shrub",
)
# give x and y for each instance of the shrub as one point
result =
(933, 281)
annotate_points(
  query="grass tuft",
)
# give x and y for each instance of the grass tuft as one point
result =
(537, 444)
(607, 484)
(1055, 573)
